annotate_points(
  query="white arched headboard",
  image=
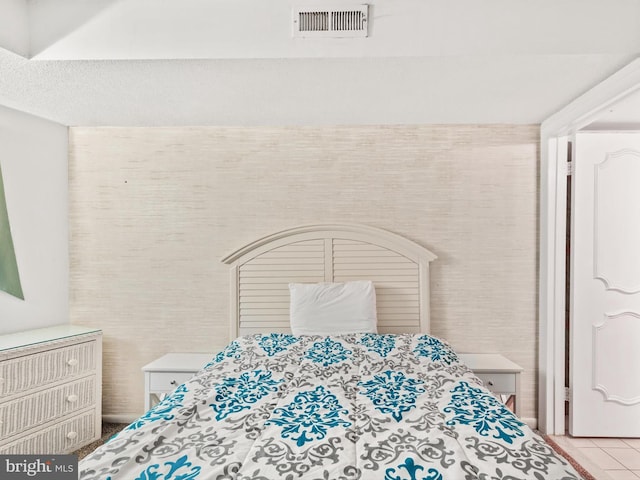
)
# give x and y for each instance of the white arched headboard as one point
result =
(262, 270)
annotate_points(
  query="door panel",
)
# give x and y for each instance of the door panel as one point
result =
(614, 351)
(605, 289)
(617, 213)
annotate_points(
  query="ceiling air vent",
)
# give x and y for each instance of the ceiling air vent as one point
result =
(320, 21)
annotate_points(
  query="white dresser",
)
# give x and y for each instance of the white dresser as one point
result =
(50, 390)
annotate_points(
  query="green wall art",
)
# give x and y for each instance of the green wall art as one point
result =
(9, 277)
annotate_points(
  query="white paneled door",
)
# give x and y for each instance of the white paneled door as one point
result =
(605, 286)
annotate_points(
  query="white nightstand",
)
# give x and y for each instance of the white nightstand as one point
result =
(163, 375)
(499, 374)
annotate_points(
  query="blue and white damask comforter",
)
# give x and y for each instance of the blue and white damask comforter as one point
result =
(388, 407)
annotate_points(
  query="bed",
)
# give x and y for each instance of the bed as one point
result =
(391, 404)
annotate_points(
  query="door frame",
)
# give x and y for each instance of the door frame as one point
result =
(554, 135)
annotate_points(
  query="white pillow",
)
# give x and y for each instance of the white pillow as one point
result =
(333, 308)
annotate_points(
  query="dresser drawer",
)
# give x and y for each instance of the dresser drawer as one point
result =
(167, 381)
(499, 382)
(26, 412)
(27, 372)
(64, 437)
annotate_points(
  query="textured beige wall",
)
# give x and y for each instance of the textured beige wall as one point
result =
(153, 210)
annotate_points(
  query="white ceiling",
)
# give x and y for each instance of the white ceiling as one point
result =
(234, 62)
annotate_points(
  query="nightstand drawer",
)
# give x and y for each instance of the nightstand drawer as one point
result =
(499, 382)
(164, 374)
(167, 381)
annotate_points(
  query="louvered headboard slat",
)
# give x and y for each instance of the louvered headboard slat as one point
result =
(261, 272)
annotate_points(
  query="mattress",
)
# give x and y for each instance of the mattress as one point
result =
(365, 406)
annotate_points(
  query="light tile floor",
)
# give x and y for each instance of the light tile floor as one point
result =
(605, 458)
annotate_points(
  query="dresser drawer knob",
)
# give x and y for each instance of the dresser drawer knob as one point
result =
(174, 383)
(490, 383)
(72, 398)
(72, 362)
(72, 435)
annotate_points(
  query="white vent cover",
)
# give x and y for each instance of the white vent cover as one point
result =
(323, 21)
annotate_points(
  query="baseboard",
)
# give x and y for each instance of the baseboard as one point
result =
(531, 422)
(120, 418)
